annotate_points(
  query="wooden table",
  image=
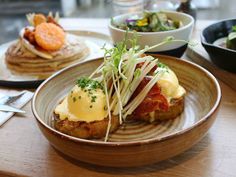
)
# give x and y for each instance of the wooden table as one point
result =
(25, 152)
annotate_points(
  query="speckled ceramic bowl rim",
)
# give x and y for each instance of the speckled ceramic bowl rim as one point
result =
(159, 32)
(133, 143)
(203, 40)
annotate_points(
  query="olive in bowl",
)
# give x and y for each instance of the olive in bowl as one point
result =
(219, 40)
(152, 28)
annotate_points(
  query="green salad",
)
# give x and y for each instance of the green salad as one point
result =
(149, 22)
(231, 39)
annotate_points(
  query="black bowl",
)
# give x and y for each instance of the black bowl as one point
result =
(177, 52)
(220, 56)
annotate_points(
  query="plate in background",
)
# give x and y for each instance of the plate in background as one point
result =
(95, 41)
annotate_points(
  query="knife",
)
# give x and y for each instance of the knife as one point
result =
(10, 109)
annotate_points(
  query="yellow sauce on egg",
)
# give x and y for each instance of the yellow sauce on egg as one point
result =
(80, 105)
(170, 87)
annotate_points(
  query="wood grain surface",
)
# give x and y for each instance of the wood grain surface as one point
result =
(25, 152)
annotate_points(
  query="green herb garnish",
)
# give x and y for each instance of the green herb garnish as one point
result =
(89, 84)
(93, 98)
(162, 65)
(105, 108)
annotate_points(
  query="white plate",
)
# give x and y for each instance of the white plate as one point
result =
(95, 41)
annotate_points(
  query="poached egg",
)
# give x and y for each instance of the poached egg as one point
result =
(83, 105)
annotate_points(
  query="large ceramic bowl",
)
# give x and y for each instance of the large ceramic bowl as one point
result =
(221, 56)
(151, 38)
(136, 143)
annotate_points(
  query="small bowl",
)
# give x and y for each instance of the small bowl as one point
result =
(220, 56)
(137, 143)
(151, 38)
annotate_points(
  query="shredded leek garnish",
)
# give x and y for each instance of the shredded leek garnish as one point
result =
(121, 77)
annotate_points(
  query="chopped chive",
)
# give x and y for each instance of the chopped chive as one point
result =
(90, 84)
(105, 108)
(93, 98)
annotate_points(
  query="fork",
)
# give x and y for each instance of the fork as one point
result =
(10, 99)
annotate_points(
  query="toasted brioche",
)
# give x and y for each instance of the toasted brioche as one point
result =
(92, 130)
(97, 129)
(175, 109)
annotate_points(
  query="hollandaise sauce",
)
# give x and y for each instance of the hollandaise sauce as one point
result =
(85, 102)
(170, 87)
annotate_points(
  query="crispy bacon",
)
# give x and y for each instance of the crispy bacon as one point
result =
(29, 36)
(52, 20)
(153, 101)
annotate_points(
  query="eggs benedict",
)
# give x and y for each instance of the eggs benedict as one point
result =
(83, 112)
(127, 85)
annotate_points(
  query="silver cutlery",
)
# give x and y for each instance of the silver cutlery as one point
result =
(6, 100)
(10, 99)
(7, 108)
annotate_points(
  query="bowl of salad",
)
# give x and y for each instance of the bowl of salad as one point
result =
(151, 28)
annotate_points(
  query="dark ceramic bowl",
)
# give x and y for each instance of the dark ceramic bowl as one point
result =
(220, 56)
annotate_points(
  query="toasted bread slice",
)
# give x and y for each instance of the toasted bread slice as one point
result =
(97, 129)
(92, 130)
(175, 109)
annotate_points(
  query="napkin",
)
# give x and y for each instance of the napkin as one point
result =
(19, 103)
